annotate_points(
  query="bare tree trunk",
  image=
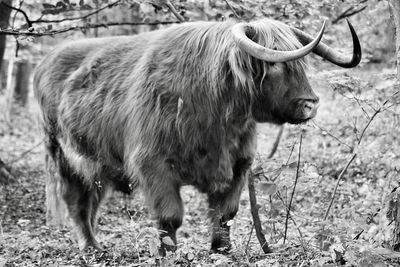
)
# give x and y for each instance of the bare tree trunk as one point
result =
(21, 84)
(4, 18)
(394, 8)
(5, 174)
(9, 90)
(393, 214)
(3, 74)
(96, 30)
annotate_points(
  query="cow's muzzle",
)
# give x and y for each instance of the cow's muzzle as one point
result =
(305, 109)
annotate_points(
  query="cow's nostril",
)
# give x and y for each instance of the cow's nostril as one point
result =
(309, 105)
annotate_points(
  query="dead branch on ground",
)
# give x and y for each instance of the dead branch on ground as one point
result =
(253, 200)
(254, 213)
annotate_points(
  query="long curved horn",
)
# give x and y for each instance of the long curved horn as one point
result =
(331, 55)
(258, 51)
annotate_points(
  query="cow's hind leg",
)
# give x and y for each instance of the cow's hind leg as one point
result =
(109, 179)
(97, 195)
(82, 203)
(224, 206)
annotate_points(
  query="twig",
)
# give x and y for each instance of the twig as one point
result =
(248, 240)
(294, 188)
(279, 195)
(276, 143)
(354, 155)
(86, 26)
(337, 184)
(343, 14)
(23, 154)
(357, 236)
(331, 135)
(233, 10)
(291, 152)
(174, 11)
(254, 213)
(40, 20)
(28, 21)
(362, 108)
(348, 13)
(376, 113)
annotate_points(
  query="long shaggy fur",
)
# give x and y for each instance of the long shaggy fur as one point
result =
(159, 110)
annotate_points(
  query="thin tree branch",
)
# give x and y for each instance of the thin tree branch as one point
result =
(28, 21)
(174, 11)
(354, 155)
(279, 195)
(248, 240)
(23, 154)
(40, 20)
(233, 10)
(375, 114)
(348, 13)
(337, 184)
(291, 152)
(362, 108)
(276, 143)
(294, 188)
(331, 135)
(80, 27)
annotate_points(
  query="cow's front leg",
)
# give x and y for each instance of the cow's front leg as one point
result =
(163, 194)
(224, 206)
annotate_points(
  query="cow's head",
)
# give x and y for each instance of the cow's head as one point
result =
(282, 92)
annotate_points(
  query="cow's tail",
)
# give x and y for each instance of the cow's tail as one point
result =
(56, 208)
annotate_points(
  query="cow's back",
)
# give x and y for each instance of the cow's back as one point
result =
(52, 72)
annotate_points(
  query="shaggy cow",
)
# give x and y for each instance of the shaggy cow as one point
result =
(169, 108)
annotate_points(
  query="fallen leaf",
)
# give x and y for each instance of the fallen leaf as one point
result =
(268, 188)
(168, 241)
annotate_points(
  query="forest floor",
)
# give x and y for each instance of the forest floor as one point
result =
(354, 233)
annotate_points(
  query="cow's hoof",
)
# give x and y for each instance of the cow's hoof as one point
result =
(221, 247)
(223, 250)
(89, 246)
(162, 251)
